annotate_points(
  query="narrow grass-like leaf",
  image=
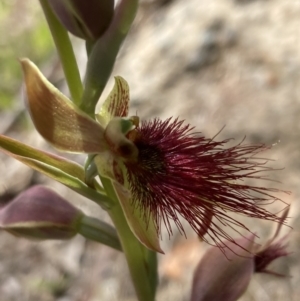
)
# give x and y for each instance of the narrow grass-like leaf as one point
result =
(23, 150)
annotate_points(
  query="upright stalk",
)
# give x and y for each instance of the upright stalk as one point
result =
(102, 54)
(65, 52)
(137, 255)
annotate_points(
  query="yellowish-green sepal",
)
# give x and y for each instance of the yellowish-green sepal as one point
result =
(58, 119)
(58, 168)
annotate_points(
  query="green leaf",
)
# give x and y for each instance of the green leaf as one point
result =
(58, 168)
(58, 119)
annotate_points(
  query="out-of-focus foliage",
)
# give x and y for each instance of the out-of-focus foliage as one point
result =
(24, 33)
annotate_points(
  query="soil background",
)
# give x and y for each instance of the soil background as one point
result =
(232, 63)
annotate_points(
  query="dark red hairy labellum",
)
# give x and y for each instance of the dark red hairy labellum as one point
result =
(180, 173)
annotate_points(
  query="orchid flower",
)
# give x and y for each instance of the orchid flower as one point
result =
(160, 170)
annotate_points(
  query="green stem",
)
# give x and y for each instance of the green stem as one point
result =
(96, 196)
(65, 52)
(89, 45)
(139, 259)
(99, 231)
(103, 54)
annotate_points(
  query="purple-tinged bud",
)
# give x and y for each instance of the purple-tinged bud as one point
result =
(273, 249)
(267, 255)
(40, 213)
(85, 19)
(224, 274)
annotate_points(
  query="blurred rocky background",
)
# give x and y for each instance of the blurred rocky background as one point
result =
(232, 63)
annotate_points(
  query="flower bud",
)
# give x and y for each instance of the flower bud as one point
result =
(267, 255)
(84, 19)
(40, 213)
(275, 248)
(224, 274)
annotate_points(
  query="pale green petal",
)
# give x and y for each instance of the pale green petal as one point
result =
(116, 104)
